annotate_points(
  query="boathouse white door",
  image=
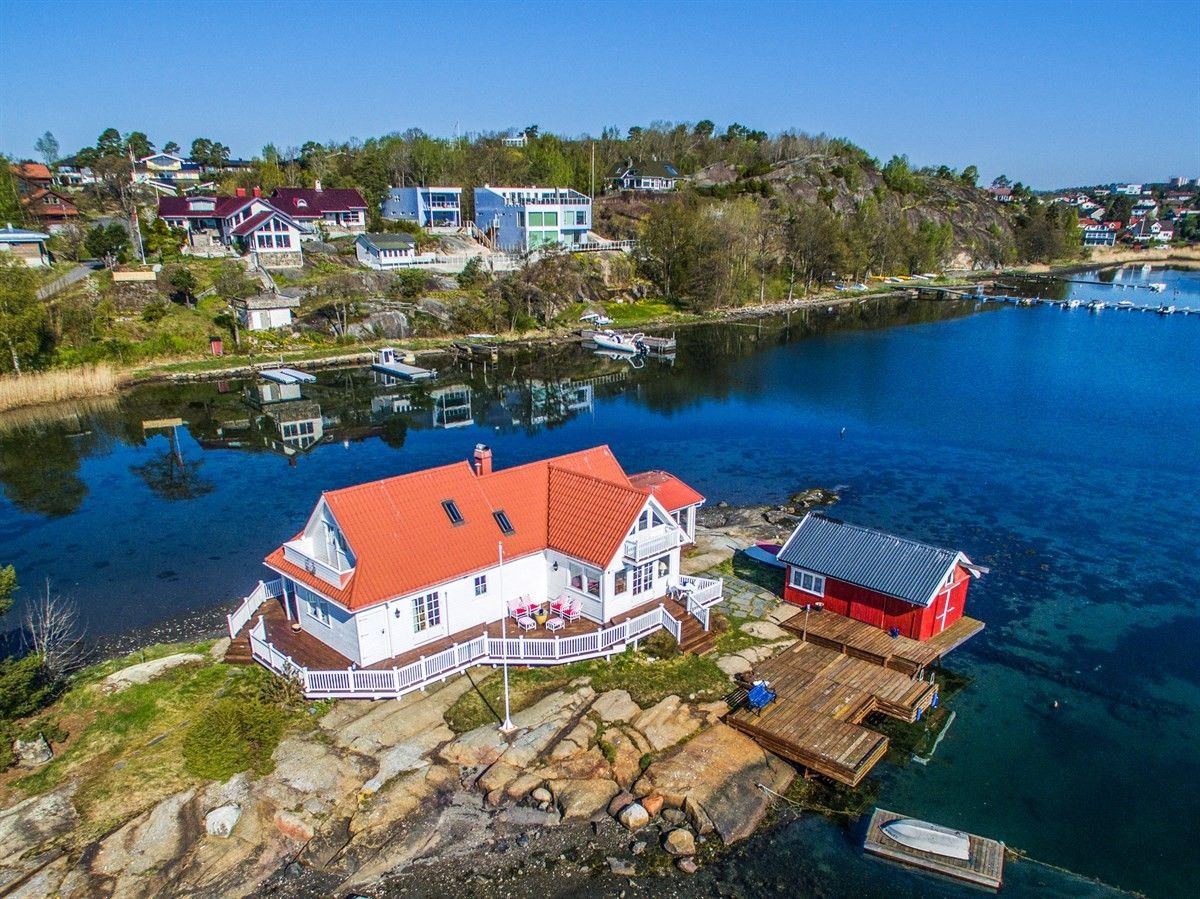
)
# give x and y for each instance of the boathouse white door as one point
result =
(373, 635)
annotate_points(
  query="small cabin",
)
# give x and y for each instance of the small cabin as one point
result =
(908, 588)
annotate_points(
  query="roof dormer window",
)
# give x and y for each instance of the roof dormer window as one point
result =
(503, 523)
(452, 512)
(301, 203)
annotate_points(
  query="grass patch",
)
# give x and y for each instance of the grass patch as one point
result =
(758, 573)
(734, 638)
(640, 312)
(647, 680)
(57, 385)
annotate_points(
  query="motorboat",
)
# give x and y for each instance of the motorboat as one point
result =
(926, 837)
(1125, 304)
(1096, 305)
(1157, 286)
(1071, 304)
(596, 318)
(1165, 310)
(616, 341)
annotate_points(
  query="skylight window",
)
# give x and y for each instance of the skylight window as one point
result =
(451, 507)
(502, 521)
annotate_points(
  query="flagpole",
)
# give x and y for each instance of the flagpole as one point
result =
(507, 725)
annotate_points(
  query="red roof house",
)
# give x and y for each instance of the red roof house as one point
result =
(385, 567)
(911, 589)
(338, 209)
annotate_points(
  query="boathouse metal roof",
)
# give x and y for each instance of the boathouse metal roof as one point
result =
(881, 562)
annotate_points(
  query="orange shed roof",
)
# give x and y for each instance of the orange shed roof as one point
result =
(673, 493)
(581, 504)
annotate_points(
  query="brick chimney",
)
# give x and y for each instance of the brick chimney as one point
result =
(258, 191)
(483, 459)
(240, 192)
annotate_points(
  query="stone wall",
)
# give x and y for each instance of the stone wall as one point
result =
(280, 260)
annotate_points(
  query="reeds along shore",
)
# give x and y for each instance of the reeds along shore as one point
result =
(44, 387)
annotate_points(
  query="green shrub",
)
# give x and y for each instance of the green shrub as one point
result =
(232, 735)
(24, 687)
(662, 645)
(408, 283)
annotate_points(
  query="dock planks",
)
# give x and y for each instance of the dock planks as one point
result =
(985, 867)
(823, 695)
(871, 644)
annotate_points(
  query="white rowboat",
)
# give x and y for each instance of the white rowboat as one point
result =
(926, 837)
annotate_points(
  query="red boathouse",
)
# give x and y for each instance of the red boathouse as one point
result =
(874, 577)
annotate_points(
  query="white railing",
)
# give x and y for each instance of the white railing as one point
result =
(319, 567)
(704, 591)
(645, 545)
(388, 683)
(243, 613)
(595, 245)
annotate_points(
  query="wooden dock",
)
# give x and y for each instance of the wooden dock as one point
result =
(985, 867)
(871, 644)
(405, 371)
(823, 694)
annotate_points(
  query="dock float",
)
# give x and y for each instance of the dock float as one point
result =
(984, 867)
(287, 376)
(391, 362)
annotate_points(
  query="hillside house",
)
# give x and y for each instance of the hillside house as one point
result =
(642, 174)
(244, 223)
(31, 176)
(1098, 234)
(520, 219)
(1001, 194)
(429, 207)
(411, 574)
(909, 588)
(337, 210)
(1152, 231)
(27, 246)
(167, 171)
(265, 311)
(53, 210)
(385, 251)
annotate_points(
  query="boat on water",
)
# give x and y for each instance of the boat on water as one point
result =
(1096, 305)
(1125, 304)
(1157, 286)
(1071, 304)
(1166, 310)
(926, 837)
(399, 364)
(616, 341)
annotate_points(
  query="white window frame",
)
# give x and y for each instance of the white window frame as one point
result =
(427, 611)
(798, 578)
(480, 584)
(643, 577)
(316, 607)
(588, 577)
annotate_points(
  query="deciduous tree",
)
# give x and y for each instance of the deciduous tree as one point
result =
(23, 333)
(47, 147)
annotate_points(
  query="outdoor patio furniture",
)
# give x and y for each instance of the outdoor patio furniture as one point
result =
(563, 600)
(525, 623)
(519, 607)
(760, 696)
(573, 610)
(555, 624)
(540, 615)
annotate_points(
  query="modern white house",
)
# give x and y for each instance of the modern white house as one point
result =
(525, 218)
(394, 574)
(429, 207)
(385, 251)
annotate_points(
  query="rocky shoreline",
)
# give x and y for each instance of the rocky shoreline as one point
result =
(591, 792)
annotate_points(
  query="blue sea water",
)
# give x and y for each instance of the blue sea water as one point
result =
(1057, 447)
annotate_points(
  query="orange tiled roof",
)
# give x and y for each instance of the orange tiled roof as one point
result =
(673, 493)
(581, 504)
(34, 171)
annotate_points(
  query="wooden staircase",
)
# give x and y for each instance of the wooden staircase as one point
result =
(694, 638)
(238, 652)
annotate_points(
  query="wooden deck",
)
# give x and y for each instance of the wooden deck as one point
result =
(869, 643)
(822, 696)
(310, 652)
(985, 867)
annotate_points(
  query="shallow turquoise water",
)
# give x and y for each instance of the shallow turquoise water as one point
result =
(1059, 448)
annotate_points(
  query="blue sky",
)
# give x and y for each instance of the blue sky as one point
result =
(1049, 93)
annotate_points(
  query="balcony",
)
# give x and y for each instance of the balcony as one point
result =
(302, 554)
(648, 544)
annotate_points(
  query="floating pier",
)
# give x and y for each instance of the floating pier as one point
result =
(984, 867)
(391, 362)
(287, 376)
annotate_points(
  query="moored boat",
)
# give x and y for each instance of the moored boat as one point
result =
(616, 341)
(926, 837)
(1166, 310)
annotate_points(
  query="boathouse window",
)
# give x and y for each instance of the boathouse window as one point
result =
(481, 585)
(808, 582)
(502, 521)
(455, 516)
(643, 578)
(427, 611)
